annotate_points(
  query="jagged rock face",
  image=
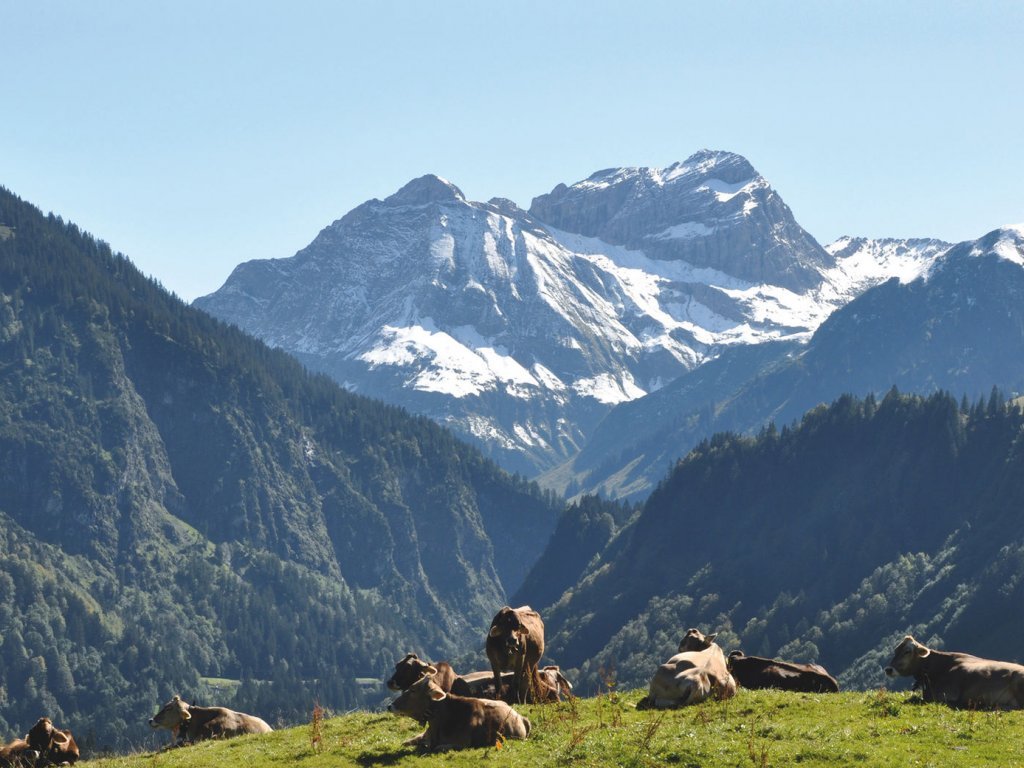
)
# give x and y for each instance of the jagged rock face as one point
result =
(713, 210)
(520, 331)
(467, 312)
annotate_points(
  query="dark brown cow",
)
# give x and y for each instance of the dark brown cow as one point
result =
(758, 672)
(17, 753)
(694, 674)
(515, 642)
(959, 679)
(55, 746)
(481, 684)
(412, 668)
(553, 685)
(192, 723)
(457, 722)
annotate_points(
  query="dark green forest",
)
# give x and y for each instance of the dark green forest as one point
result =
(824, 541)
(180, 502)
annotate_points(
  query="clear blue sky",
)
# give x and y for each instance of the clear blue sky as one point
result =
(193, 136)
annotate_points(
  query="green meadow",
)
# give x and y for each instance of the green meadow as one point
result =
(757, 728)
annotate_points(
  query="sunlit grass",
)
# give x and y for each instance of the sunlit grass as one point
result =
(757, 728)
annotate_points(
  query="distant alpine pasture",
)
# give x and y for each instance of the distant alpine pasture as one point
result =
(187, 512)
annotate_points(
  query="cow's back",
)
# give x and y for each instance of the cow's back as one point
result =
(220, 723)
(973, 681)
(755, 672)
(465, 722)
(690, 677)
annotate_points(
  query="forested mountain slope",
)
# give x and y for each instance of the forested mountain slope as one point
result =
(177, 500)
(825, 541)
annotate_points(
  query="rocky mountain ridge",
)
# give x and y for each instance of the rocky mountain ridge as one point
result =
(958, 326)
(520, 330)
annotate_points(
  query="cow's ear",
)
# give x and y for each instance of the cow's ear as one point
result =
(921, 651)
(186, 715)
(709, 639)
(436, 693)
(430, 670)
(495, 631)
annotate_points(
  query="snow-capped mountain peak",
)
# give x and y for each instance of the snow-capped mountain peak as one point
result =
(424, 190)
(520, 330)
(1008, 244)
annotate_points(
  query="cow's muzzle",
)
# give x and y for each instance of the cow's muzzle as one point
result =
(890, 671)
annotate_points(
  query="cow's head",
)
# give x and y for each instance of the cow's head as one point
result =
(694, 640)
(41, 735)
(174, 713)
(733, 656)
(408, 671)
(906, 659)
(416, 700)
(507, 630)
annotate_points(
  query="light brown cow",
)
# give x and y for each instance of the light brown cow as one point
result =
(412, 668)
(515, 642)
(694, 674)
(959, 679)
(54, 745)
(457, 722)
(192, 723)
(555, 686)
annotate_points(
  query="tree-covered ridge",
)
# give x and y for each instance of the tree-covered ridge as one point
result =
(825, 541)
(178, 500)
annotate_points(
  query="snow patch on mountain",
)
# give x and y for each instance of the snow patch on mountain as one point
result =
(1010, 244)
(685, 231)
(724, 191)
(862, 263)
(609, 389)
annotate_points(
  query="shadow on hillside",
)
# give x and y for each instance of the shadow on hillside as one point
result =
(381, 758)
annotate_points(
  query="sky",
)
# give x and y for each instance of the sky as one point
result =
(193, 136)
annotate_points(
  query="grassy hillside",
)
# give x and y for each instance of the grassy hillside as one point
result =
(757, 728)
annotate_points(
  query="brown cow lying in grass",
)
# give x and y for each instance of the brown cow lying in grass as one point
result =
(192, 723)
(757, 672)
(959, 679)
(412, 669)
(55, 746)
(457, 722)
(553, 685)
(694, 674)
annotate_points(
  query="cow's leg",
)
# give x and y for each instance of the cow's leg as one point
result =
(519, 682)
(497, 682)
(419, 740)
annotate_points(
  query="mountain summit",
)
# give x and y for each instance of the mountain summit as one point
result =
(521, 330)
(713, 210)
